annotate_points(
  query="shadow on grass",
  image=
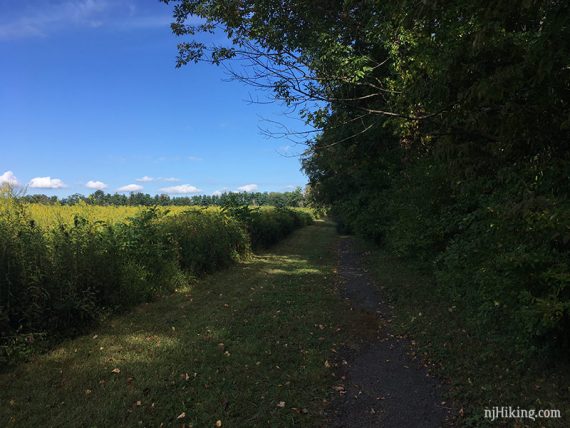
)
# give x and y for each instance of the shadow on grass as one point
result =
(246, 346)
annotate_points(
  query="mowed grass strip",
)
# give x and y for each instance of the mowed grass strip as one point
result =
(245, 347)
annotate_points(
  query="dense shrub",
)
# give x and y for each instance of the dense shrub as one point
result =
(207, 242)
(499, 245)
(511, 259)
(267, 227)
(59, 280)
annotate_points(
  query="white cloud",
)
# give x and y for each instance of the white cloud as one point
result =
(147, 179)
(130, 188)
(46, 17)
(194, 158)
(182, 189)
(46, 183)
(49, 16)
(9, 178)
(96, 185)
(248, 188)
(19, 30)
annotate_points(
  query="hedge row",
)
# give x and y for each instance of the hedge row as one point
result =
(500, 252)
(56, 282)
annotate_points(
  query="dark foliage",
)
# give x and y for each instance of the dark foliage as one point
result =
(444, 136)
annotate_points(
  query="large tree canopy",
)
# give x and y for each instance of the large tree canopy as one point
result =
(444, 133)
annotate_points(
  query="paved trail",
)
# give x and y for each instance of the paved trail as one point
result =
(384, 386)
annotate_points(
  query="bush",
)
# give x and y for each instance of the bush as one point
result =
(207, 242)
(499, 244)
(57, 281)
(268, 226)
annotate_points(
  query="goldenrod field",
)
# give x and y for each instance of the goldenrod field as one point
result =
(62, 268)
(49, 215)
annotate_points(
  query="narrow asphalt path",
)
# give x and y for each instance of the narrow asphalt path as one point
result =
(384, 385)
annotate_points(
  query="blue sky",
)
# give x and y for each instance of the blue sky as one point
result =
(90, 98)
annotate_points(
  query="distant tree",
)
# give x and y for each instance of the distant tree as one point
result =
(74, 199)
(98, 198)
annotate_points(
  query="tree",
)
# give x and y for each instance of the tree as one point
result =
(310, 54)
(443, 132)
(97, 198)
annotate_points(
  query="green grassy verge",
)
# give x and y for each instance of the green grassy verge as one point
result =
(482, 371)
(246, 347)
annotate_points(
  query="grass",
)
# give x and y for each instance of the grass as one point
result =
(481, 370)
(246, 347)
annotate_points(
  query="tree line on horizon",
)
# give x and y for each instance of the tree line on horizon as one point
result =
(295, 198)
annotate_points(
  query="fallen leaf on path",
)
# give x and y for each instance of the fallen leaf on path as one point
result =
(116, 371)
(281, 404)
(181, 415)
(218, 423)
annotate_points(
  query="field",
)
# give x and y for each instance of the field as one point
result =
(64, 268)
(428, 285)
(246, 346)
(50, 215)
(136, 321)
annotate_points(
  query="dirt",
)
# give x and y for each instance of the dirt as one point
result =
(383, 383)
